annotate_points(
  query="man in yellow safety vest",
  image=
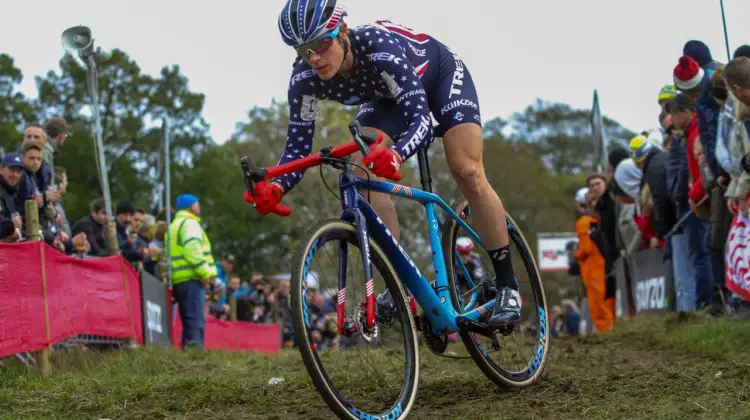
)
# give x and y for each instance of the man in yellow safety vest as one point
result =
(193, 267)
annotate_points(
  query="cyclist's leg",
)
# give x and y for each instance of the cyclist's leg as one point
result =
(381, 116)
(458, 113)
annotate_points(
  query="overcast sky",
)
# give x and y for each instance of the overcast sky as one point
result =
(516, 51)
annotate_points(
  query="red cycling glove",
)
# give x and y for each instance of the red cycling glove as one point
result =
(266, 198)
(384, 162)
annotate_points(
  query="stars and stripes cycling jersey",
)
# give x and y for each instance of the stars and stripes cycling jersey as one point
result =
(399, 78)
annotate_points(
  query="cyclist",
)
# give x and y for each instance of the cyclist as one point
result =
(398, 77)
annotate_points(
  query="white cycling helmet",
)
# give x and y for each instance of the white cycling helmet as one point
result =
(464, 244)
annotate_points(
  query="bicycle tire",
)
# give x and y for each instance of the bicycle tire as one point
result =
(494, 372)
(338, 229)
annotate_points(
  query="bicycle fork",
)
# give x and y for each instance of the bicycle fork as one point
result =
(370, 299)
(364, 246)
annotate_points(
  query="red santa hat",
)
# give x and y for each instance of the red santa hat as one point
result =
(688, 74)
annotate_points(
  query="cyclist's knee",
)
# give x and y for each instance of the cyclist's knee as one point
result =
(470, 175)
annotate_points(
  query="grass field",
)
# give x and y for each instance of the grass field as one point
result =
(652, 368)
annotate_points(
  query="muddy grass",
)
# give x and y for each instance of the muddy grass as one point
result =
(645, 369)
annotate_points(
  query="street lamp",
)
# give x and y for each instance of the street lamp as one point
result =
(726, 36)
(78, 40)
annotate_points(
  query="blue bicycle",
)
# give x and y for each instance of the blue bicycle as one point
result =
(341, 322)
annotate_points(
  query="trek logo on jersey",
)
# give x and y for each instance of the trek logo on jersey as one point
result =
(419, 135)
(459, 103)
(417, 51)
(458, 77)
(385, 56)
(302, 76)
(410, 94)
(310, 108)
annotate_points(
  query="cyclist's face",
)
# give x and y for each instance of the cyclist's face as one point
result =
(327, 63)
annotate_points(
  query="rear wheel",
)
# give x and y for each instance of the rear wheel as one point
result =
(525, 348)
(361, 372)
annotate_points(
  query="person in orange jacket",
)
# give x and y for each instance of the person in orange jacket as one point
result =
(593, 270)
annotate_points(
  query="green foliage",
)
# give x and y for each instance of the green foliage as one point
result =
(15, 109)
(133, 106)
(562, 135)
(535, 160)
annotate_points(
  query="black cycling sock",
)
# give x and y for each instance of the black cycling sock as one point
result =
(501, 262)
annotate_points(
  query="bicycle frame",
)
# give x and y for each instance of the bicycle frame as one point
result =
(435, 300)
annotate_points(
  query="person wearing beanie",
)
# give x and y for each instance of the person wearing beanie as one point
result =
(628, 178)
(695, 82)
(193, 268)
(653, 162)
(639, 147)
(11, 171)
(699, 52)
(688, 75)
(742, 51)
(666, 93)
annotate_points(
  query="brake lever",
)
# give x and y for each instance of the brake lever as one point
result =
(251, 173)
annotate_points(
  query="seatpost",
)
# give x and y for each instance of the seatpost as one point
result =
(424, 168)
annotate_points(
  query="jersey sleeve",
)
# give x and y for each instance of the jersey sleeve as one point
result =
(303, 111)
(405, 86)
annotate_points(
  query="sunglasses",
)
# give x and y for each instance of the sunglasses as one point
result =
(318, 46)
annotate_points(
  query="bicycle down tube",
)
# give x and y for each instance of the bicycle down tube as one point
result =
(435, 302)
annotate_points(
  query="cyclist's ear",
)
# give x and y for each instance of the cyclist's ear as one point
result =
(344, 29)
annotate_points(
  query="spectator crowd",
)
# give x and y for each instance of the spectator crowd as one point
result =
(28, 174)
(679, 188)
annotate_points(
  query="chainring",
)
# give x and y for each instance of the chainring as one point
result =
(436, 344)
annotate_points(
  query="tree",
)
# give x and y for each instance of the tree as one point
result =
(562, 135)
(132, 106)
(16, 110)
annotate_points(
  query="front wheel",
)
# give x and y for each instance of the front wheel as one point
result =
(360, 371)
(521, 355)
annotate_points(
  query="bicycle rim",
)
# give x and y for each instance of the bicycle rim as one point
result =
(339, 379)
(530, 344)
